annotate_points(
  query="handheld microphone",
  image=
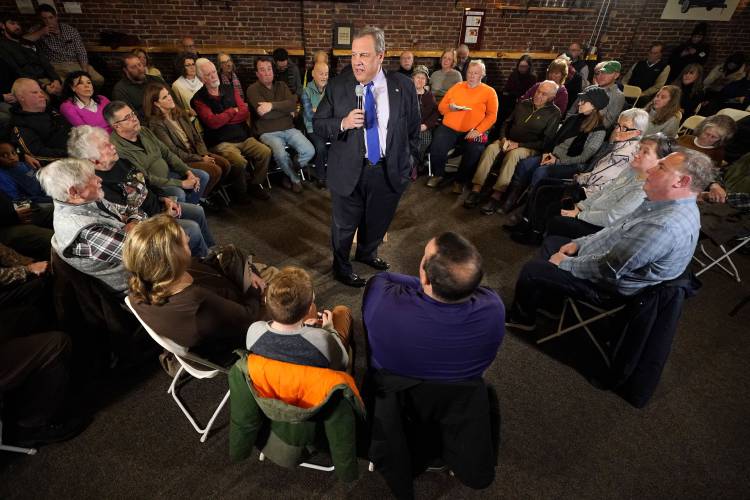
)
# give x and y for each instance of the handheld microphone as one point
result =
(359, 91)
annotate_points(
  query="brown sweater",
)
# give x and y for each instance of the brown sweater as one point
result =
(284, 104)
(716, 154)
(209, 316)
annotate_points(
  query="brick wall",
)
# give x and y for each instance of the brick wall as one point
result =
(430, 24)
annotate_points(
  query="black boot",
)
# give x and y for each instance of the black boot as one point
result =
(512, 194)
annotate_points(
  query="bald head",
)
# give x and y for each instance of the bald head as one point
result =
(320, 74)
(30, 96)
(545, 93)
(451, 268)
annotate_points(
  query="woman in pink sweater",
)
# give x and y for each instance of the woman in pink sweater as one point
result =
(80, 106)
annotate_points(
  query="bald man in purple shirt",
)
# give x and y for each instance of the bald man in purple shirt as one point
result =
(439, 326)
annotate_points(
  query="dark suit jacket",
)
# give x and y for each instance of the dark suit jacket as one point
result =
(348, 147)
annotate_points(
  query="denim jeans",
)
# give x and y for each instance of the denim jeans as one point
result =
(193, 221)
(296, 140)
(191, 196)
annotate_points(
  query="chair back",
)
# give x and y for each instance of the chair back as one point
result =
(632, 92)
(734, 114)
(179, 351)
(690, 124)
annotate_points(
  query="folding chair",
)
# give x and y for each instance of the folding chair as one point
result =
(732, 270)
(734, 114)
(690, 124)
(274, 168)
(575, 305)
(187, 365)
(16, 449)
(632, 92)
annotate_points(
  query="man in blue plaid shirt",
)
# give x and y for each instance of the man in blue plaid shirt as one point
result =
(653, 244)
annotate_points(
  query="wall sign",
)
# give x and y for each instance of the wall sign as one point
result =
(472, 28)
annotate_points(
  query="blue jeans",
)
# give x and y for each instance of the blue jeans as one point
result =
(193, 221)
(191, 196)
(525, 169)
(296, 140)
(556, 171)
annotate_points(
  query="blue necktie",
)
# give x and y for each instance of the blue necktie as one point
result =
(371, 126)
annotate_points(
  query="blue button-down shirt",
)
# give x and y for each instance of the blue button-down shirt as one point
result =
(653, 244)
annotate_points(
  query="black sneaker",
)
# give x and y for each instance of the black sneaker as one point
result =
(491, 206)
(56, 432)
(531, 238)
(472, 200)
(520, 226)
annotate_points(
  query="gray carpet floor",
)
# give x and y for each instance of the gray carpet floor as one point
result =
(561, 437)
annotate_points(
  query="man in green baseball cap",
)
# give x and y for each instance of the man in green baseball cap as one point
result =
(606, 74)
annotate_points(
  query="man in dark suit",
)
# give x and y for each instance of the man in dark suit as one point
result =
(370, 158)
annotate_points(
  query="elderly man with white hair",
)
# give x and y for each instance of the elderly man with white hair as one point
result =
(128, 191)
(223, 114)
(88, 236)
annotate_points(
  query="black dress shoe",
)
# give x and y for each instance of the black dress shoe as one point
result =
(350, 279)
(376, 263)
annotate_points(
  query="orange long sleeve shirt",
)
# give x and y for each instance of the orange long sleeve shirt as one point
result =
(482, 100)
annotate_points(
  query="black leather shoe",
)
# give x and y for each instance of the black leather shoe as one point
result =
(376, 263)
(350, 279)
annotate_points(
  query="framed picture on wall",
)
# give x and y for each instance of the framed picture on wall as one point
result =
(472, 28)
(699, 10)
(342, 36)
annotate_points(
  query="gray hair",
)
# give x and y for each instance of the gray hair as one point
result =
(376, 33)
(112, 108)
(81, 143)
(551, 82)
(698, 166)
(59, 176)
(200, 62)
(480, 63)
(638, 117)
(724, 124)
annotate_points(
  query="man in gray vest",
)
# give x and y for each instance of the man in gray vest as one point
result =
(88, 236)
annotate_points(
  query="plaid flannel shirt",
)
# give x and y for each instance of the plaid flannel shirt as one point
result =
(100, 241)
(653, 244)
(65, 47)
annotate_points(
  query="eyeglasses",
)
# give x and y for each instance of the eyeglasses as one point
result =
(129, 116)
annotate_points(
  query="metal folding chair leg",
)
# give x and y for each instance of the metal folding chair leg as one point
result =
(15, 449)
(733, 271)
(262, 458)
(205, 430)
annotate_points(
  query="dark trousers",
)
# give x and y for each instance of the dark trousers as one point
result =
(570, 227)
(545, 202)
(541, 282)
(321, 155)
(443, 140)
(369, 210)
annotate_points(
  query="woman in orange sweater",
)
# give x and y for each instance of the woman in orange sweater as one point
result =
(469, 109)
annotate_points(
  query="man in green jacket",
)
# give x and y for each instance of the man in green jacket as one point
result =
(144, 150)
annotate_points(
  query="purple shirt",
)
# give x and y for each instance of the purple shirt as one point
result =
(414, 335)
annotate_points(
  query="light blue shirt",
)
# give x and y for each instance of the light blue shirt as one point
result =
(382, 108)
(653, 244)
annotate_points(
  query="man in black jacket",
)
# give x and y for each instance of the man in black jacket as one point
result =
(370, 159)
(23, 61)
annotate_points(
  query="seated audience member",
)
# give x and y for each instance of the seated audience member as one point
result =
(223, 115)
(469, 109)
(80, 106)
(272, 105)
(577, 59)
(653, 244)
(527, 132)
(735, 95)
(311, 98)
(133, 84)
(172, 127)
(731, 70)
(25, 230)
(732, 187)
(406, 63)
(143, 149)
(197, 305)
(446, 77)
(295, 334)
(664, 113)
(61, 45)
(557, 72)
(428, 110)
(573, 82)
(25, 62)
(574, 144)
(521, 79)
(128, 193)
(650, 74)
(228, 73)
(605, 167)
(463, 58)
(319, 56)
(690, 83)
(17, 179)
(38, 129)
(740, 141)
(694, 51)
(88, 236)
(617, 199)
(143, 56)
(606, 74)
(187, 46)
(285, 72)
(441, 325)
(185, 87)
(710, 136)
